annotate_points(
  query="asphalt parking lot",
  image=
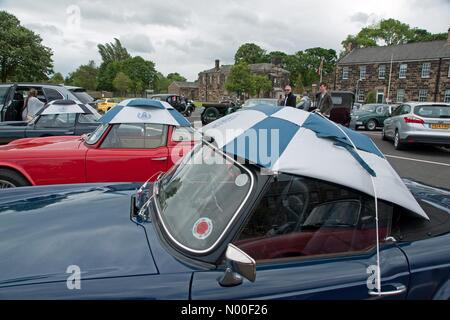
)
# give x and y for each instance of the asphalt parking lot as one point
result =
(427, 164)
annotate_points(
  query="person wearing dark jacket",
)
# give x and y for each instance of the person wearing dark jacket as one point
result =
(290, 100)
(324, 102)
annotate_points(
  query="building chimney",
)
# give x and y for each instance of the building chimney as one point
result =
(217, 64)
(448, 37)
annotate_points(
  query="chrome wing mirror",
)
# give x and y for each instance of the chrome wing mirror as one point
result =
(238, 265)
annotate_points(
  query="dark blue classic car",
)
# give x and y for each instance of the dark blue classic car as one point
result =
(122, 249)
(57, 118)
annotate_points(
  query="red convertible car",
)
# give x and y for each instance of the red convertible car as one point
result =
(130, 148)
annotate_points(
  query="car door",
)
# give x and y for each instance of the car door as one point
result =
(62, 124)
(6, 97)
(312, 240)
(391, 121)
(130, 152)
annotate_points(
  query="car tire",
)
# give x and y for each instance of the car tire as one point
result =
(398, 145)
(188, 112)
(210, 114)
(371, 125)
(12, 179)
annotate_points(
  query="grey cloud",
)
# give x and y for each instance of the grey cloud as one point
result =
(359, 17)
(45, 29)
(138, 43)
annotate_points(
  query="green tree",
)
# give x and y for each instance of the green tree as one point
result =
(106, 74)
(371, 97)
(113, 51)
(142, 72)
(122, 83)
(175, 76)
(240, 79)
(161, 83)
(250, 53)
(388, 32)
(261, 84)
(85, 76)
(23, 57)
(57, 78)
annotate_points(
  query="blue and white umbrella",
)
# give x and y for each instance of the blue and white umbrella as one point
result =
(293, 141)
(66, 106)
(141, 110)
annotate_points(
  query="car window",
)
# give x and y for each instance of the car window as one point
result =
(397, 111)
(304, 217)
(3, 93)
(63, 120)
(185, 134)
(87, 118)
(135, 136)
(433, 111)
(155, 135)
(405, 109)
(52, 94)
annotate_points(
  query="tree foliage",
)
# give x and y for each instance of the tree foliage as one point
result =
(56, 78)
(122, 83)
(113, 51)
(261, 84)
(250, 53)
(240, 79)
(389, 32)
(23, 57)
(85, 76)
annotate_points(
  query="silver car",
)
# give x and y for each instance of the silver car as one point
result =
(419, 122)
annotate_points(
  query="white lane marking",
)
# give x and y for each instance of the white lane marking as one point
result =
(417, 160)
(375, 134)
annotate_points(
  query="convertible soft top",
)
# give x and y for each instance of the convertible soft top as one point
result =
(293, 141)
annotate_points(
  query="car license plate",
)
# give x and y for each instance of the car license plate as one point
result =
(440, 126)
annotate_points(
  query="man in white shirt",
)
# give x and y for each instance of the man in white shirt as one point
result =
(32, 105)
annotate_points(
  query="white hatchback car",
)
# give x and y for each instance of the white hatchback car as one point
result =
(419, 123)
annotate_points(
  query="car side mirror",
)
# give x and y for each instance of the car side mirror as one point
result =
(238, 265)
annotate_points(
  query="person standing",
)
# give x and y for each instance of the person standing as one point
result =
(280, 100)
(325, 103)
(290, 100)
(32, 105)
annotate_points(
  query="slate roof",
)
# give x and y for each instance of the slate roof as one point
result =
(430, 50)
(256, 67)
(186, 84)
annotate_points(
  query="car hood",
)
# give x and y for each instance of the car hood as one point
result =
(45, 143)
(45, 230)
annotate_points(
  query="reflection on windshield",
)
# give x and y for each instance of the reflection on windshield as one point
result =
(96, 135)
(368, 108)
(198, 199)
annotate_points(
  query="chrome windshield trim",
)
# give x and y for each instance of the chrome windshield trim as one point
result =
(252, 178)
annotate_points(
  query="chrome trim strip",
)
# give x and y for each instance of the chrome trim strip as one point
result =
(231, 220)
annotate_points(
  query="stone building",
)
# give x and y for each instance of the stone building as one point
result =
(409, 72)
(184, 88)
(211, 83)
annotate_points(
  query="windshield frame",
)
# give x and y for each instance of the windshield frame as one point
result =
(232, 219)
(105, 125)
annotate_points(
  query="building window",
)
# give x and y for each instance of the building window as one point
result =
(447, 96)
(426, 69)
(423, 95)
(400, 95)
(345, 72)
(381, 71)
(362, 72)
(448, 75)
(360, 95)
(402, 72)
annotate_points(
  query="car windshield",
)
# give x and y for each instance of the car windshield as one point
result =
(433, 111)
(96, 135)
(198, 199)
(253, 102)
(83, 96)
(368, 108)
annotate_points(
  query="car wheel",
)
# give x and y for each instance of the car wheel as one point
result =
(210, 114)
(398, 145)
(371, 125)
(188, 112)
(11, 179)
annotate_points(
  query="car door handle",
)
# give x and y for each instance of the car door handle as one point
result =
(398, 289)
(159, 159)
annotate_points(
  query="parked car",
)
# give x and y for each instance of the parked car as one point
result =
(253, 102)
(419, 123)
(133, 142)
(13, 95)
(104, 105)
(343, 102)
(181, 104)
(57, 118)
(214, 227)
(82, 95)
(212, 111)
(370, 116)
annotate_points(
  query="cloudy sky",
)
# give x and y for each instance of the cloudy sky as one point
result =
(187, 36)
